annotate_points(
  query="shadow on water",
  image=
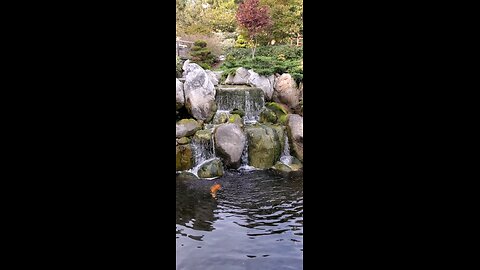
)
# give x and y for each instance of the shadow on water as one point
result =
(255, 222)
(195, 205)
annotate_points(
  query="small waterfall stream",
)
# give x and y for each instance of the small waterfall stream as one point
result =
(251, 110)
(244, 166)
(203, 150)
(248, 99)
(286, 158)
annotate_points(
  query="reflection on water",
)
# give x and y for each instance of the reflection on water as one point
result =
(255, 222)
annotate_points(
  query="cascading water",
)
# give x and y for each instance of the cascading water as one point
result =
(227, 101)
(203, 148)
(251, 115)
(244, 166)
(286, 158)
(248, 99)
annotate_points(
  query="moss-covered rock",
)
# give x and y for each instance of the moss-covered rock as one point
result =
(238, 111)
(211, 169)
(183, 140)
(203, 135)
(186, 176)
(268, 116)
(280, 167)
(274, 113)
(281, 133)
(187, 127)
(220, 118)
(264, 147)
(184, 157)
(236, 119)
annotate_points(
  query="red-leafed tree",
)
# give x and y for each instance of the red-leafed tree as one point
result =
(254, 18)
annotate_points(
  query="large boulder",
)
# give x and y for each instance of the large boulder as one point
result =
(262, 82)
(199, 92)
(213, 77)
(180, 95)
(240, 77)
(264, 146)
(187, 127)
(286, 91)
(295, 134)
(229, 144)
(289, 169)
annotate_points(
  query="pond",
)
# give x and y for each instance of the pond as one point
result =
(255, 221)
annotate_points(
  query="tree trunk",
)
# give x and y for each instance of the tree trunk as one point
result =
(254, 48)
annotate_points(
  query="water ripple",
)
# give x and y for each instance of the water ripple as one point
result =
(256, 222)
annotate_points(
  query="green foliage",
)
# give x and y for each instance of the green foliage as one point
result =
(202, 55)
(281, 51)
(204, 17)
(269, 60)
(241, 42)
(221, 16)
(179, 68)
(200, 43)
(287, 18)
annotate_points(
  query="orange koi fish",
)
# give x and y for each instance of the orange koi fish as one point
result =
(214, 189)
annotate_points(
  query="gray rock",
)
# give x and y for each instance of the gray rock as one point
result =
(263, 82)
(180, 95)
(286, 91)
(199, 92)
(211, 169)
(213, 77)
(295, 134)
(229, 144)
(241, 77)
(187, 127)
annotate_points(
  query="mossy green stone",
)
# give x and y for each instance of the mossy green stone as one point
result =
(184, 157)
(264, 146)
(211, 169)
(183, 140)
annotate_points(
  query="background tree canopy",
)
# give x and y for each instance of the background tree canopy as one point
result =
(194, 17)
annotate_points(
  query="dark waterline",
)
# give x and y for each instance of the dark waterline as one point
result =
(256, 222)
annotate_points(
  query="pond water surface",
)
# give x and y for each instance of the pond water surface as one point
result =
(255, 222)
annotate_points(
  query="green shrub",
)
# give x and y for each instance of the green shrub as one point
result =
(202, 55)
(241, 42)
(287, 51)
(269, 60)
(179, 67)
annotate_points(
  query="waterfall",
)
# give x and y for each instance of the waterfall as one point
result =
(253, 107)
(203, 151)
(250, 117)
(244, 165)
(286, 158)
(228, 99)
(248, 99)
